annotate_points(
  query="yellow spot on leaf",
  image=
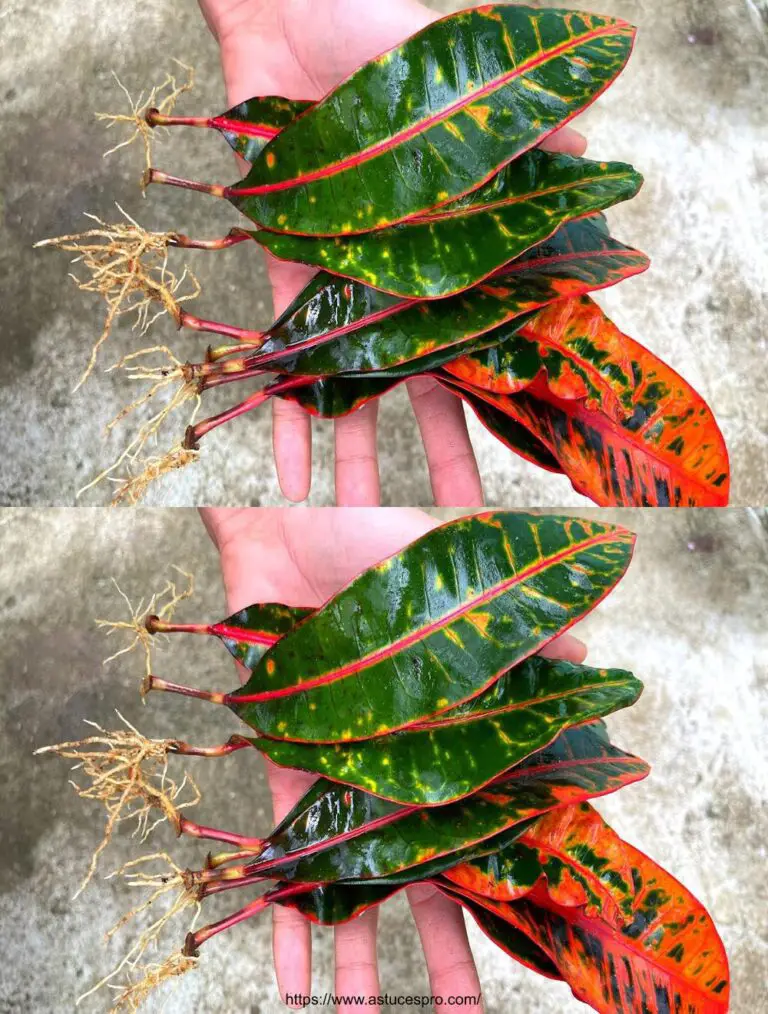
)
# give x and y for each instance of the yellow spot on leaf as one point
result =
(453, 129)
(271, 160)
(439, 76)
(480, 115)
(270, 667)
(480, 621)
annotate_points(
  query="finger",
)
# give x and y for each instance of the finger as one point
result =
(443, 936)
(452, 466)
(357, 967)
(567, 647)
(291, 932)
(357, 465)
(566, 140)
(292, 447)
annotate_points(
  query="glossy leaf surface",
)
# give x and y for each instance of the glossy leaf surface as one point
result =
(432, 626)
(343, 326)
(456, 247)
(448, 758)
(332, 904)
(373, 838)
(483, 86)
(252, 124)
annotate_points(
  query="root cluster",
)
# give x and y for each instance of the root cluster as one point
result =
(129, 775)
(162, 604)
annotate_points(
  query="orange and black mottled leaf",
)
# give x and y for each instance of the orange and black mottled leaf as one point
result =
(454, 248)
(666, 452)
(667, 958)
(483, 86)
(571, 853)
(450, 757)
(432, 626)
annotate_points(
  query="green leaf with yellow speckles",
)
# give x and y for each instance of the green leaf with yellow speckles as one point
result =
(248, 633)
(458, 753)
(664, 449)
(432, 626)
(455, 247)
(338, 832)
(483, 86)
(336, 325)
(250, 125)
(665, 955)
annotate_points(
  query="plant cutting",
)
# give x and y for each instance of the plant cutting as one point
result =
(447, 751)
(448, 245)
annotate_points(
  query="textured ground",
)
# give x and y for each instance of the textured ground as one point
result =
(688, 619)
(689, 113)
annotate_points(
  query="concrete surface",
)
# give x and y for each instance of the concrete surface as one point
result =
(689, 113)
(689, 619)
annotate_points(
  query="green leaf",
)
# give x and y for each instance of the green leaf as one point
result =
(432, 626)
(247, 634)
(344, 833)
(450, 250)
(483, 86)
(336, 325)
(252, 124)
(332, 904)
(446, 759)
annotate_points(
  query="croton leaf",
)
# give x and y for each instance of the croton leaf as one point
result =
(667, 957)
(509, 938)
(250, 125)
(484, 85)
(348, 834)
(369, 329)
(571, 853)
(573, 346)
(248, 633)
(668, 453)
(510, 432)
(427, 257)
(446, 759)
(432, 626)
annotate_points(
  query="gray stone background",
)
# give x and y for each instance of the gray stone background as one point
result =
(689, 113)
(689, 619)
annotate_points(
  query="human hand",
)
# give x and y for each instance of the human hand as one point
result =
(301, 49)
(302, 558)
